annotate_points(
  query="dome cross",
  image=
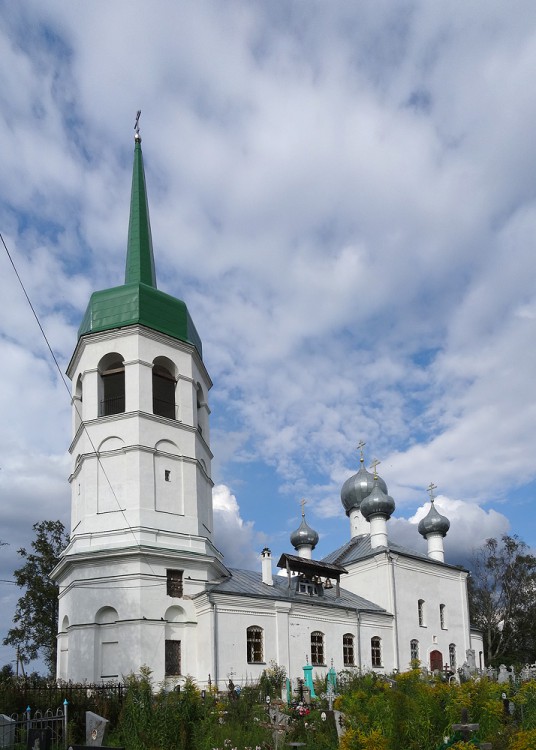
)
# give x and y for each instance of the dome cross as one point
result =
(431, 487)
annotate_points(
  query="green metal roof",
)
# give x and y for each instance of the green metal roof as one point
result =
(138, 301)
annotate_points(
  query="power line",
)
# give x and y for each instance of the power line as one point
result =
(67, 387)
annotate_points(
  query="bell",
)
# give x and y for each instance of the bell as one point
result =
(328, 584)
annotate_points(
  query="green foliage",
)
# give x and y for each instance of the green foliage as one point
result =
(6, 673)
(501, 600)
(36, 613)
(272, 680)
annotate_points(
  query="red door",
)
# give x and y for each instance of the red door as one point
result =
(436, 661)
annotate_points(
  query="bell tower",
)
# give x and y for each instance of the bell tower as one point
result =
(141, 487)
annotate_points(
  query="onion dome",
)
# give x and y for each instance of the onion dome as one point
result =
(378, 502)
(433, 523)
(304, 535)
(358, 487)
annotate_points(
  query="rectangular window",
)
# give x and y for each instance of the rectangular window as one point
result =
(173, 658)
(414, 650)
(174, 583)
(317, 649)
(421, 612)
(254, 645)
(348, 650)
(167, 475)
(306, 588)
(442, 618)
(452, 657)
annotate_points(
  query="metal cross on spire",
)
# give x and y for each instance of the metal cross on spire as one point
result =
(137, 136)
(375, 465)
(360, 447)
(303, 503)
(431, 487)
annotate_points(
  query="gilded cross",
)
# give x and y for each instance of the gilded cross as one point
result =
(375, 465)
(431, 487)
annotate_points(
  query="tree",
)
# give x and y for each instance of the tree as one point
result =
(502, 590)
(36, 613)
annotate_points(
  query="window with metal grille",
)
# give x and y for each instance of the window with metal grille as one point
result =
(173, 658)
(112, 389)
(348, 650)
(452, 656)
(254, 645)
(442, 617)
(376, 651)
(317, 648)
(174, 583)
(163, 392)
(420, 606)
(414, 650)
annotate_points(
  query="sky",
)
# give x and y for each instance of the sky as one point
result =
(344, 195)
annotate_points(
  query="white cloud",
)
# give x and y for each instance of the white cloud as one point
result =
(235, 538)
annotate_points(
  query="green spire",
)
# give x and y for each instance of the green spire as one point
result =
(138, 301)
(140, 259)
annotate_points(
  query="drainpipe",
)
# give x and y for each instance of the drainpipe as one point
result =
(395, 612)
(215, 639)
(358, 613)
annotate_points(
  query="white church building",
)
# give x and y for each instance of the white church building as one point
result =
(142, 581)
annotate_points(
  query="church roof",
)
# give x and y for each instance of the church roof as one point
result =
(359, 548)
(138, 301)
(249, 583)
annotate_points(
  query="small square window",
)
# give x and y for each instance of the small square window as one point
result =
(174, 583)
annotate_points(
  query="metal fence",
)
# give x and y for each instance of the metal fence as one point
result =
(42, 730)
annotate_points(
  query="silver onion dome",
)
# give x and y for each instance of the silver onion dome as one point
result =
(358, 487)
(304, 535)
(378, 502)
(433, 523)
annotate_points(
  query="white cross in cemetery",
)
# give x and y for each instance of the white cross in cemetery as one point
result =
(330, 696)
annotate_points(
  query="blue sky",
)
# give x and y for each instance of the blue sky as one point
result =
(343, 194)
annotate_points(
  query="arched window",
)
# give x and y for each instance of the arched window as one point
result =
(420, 607)
(348, 656)
(452, 656)
(317, 648)
(163, 388)
(200, 405)
(112, 385)
(443, 616)
(77, 403)
(414, 650)
(376, 651)
(254, 645)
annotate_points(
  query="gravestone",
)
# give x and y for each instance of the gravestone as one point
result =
(95, 729)
(339, 723)
(7, 731)
(471, 659)
(38, 738)
(503, 677)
